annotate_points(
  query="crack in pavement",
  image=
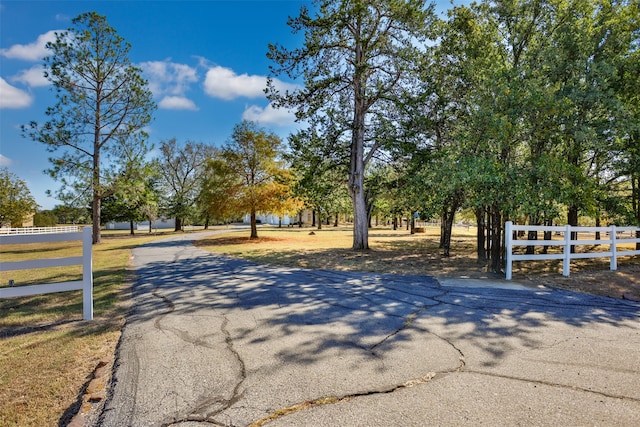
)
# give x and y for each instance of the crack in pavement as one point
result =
(552, 384)
(195, 413)
(327, 400)
(406, 325)
(339, 399)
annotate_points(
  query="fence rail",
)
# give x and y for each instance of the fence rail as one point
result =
(86, 284)
(39, 230)
(615, 237)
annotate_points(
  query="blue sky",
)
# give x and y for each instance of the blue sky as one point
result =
(205, 62)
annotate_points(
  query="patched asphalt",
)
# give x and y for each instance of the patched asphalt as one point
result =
(212, 340)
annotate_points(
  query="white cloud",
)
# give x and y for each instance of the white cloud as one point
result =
(224, 83)
(171, 81)
(5, 161)
(12, 97)
(269, 115)
(177, 103)
(33, 51)
(33, 77)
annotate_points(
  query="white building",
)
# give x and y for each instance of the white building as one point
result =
(158, 224)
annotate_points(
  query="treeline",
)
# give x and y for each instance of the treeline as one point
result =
(523, 110)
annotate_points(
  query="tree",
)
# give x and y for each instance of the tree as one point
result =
(181, 169)
(133, 196)
(67, 214)
(319, 157)
(218, 192)
(101, 98)
(253, 178)
(45, 219)
(16, 202)
(357, 59)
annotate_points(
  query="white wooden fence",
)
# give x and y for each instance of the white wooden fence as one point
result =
(86, 284)
(614, 238)
(39, 230)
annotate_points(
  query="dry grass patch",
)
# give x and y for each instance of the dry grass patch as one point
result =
(47, 352)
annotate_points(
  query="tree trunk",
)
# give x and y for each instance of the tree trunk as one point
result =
(131, 227)
(254, 227)
(496, 240)
(178, 226)
(448, 216)
(335, 224)
(313, 218)
(480, 239)
(446, 237)
(547, 235)
(635, 203)
(532, 235)
(357, 164)
(487, 232)
(369, 201)
(96, 203)
(150, 224)
(443, 231)
(360, 224)
(572, 220)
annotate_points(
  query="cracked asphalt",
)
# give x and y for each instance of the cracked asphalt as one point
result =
(215, 341)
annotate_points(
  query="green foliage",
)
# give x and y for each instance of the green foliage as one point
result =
(319, 157)
(16, 202)
(45, 219)
(181, 170)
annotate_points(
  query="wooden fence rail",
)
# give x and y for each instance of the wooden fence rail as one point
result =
(614, 238)
(86, 284)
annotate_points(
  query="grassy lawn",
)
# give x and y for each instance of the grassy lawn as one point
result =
(47, 352)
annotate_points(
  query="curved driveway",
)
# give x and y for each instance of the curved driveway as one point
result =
(217, 341)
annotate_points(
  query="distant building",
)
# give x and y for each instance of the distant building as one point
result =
(306, 216)
(158, 224)
(26, 222)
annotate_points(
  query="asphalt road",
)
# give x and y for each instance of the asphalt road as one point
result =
(217, 341)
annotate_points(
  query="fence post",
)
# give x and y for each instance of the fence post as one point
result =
(509, 236)
(87, 274)
(566, 261)
(614, 262)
